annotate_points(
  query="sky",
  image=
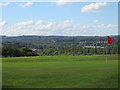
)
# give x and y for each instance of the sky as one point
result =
(59, 18)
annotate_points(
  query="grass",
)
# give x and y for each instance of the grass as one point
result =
(60, 72)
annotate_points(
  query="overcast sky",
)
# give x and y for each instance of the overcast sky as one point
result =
(59, 18)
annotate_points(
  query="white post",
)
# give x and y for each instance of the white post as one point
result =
(106, 52)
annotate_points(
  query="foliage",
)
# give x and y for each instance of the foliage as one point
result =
(57, 45)
(9, 51)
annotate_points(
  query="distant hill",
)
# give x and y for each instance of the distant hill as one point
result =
(57, 40)
(62, 45)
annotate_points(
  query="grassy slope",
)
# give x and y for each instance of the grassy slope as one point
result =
(61, 72)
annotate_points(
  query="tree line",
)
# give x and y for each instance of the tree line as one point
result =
(57, 45)
(78, 51)
(9, 51)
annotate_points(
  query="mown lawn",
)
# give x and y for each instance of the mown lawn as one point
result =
(60, 72)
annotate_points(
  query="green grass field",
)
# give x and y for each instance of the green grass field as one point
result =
(60, 72)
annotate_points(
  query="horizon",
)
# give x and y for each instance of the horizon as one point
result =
(55, 35)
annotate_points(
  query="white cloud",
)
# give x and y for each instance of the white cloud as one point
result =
(55, 28)
(109, 26)
(103, 25)
(4, 4)
(28, 4)
(67, 21)
(63, 2)
(24, 23)
(96, 21)
(94, 7)
(3, 23)
(40, 22)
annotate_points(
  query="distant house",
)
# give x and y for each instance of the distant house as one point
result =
(53, 41)
(93, 47)
(101, 41)
(82, 41)
(33, 49)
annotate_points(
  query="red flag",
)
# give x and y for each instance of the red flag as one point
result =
(109, 40)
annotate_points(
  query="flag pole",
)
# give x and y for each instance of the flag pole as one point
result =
(109, 40)
(106, 52)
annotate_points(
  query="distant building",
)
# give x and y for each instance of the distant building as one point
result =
(93, 47)
(33, 50)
